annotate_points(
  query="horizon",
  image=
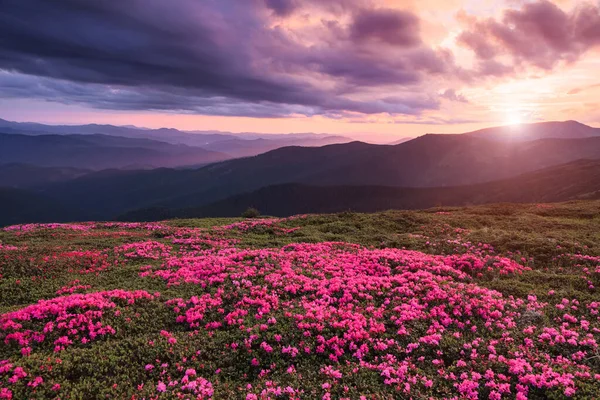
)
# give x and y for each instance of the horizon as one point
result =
(374, 68)
(356, 136)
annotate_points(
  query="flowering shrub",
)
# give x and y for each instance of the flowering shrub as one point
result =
(29, 228)
(149, 250)
(64, 321)
(247, 312)
(261, 224)
(72, 287)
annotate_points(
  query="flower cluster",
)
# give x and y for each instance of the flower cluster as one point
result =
(145, 250)
(264, 223)
(64, 321)
(317, 320)
(72, 287)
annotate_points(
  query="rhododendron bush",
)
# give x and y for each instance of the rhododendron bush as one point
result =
(317, 307)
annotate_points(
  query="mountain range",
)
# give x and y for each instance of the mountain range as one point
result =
(572, 181)
(540, 130)
(231, 145)
(475, 167)
(97, 152)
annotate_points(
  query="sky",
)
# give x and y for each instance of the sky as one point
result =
(379, 69)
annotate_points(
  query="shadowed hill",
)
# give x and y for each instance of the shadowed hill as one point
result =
(21, 206)
(429, 161)
(577, 180)
(26, 175)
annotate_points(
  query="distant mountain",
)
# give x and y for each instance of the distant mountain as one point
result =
(448, 160)
(250, 147)
(577, 180)
(168, 135)
(428, 161)
(232, 144)
(401, 140)
(108, 193)
(541, 130)
(26, 176)
(99, 152)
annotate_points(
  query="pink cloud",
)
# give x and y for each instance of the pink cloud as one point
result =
(390, 26)
(539, 34)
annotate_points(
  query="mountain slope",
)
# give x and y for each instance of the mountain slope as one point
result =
(22, 206)
(577, 180)
(26, 175)
(541, 130)
(99, 152)
(251, 147)
(429, 161)
(449, 160)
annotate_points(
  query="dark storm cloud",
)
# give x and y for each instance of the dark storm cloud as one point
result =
(209, 57)
(187, 101)
(131, 43)
(539, 34)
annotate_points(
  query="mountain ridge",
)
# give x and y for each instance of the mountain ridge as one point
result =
(465, 161)
(572, 181)
(203, 139)
(550, 129)
(97, 151)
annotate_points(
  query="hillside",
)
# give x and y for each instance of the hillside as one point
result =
(429, 161)
(251, 147)
(450, 160)
(443, 303)
(577, 180)
(26, 176)
(541, 130)
(108, 194)
(19, 206)
(99, 152)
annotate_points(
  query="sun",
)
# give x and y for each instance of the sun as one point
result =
(514, 118)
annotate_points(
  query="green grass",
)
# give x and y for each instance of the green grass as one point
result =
(538, 233)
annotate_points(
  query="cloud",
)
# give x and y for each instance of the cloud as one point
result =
(390, 26)
(14, 85)
(225, 57)
(282, 7)
(452, 95)
(582, 89)
(539, 34)
(478, 43)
